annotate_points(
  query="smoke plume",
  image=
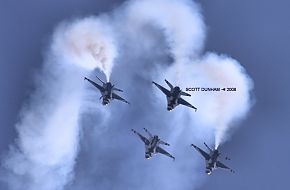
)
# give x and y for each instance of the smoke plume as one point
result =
(180, 21)
(221, 110)
(44, 154)
(154, 40)
(87, 42)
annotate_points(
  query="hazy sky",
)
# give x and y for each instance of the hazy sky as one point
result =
(256, 33)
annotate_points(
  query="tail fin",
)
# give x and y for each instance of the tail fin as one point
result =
(208, 147)
(100, 80)
(168, 83)
(227, 158)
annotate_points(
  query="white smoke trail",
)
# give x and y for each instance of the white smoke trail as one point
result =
(44, 158)
(228, 107)
(181, 22)
(88, 42)
(44, 154)
(218, 110)
(184, 30)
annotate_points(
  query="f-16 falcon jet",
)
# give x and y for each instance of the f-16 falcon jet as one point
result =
(211, 159)
(152, 145)
(107, 91)
(174, 96)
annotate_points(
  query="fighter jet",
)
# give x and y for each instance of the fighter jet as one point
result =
(211, 159)
(107, 91)
(174, 96)
(152, 144)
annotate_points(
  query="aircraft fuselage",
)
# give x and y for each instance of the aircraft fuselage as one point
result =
(211, 163)
(151, 147)
(172, 100)
(107, 93)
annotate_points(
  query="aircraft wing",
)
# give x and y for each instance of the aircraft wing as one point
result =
(144, 139)
(164, 90)
(203, 153)
(185, 103)
(184, 94)
(115, 96)
(162, 151)
(95, 84)
(221, 165)
(117, 89)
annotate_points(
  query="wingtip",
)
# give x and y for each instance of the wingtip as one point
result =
(194, 146)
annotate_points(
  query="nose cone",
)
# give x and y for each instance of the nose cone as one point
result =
(105, 102)
(147, 156)
(208, 172)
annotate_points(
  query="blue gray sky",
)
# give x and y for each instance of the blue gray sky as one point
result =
(255, 33)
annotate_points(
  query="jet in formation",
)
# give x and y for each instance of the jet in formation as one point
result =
(107, 91)
(174, 96)
(211, 159)
(152, 145)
